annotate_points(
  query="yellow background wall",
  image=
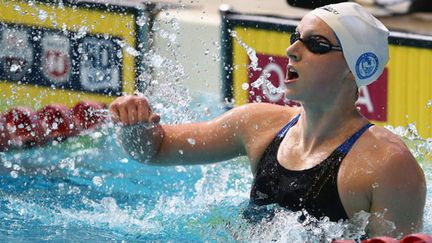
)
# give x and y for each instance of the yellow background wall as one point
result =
(96, 21)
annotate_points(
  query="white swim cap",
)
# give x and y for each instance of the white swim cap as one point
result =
(363, 39)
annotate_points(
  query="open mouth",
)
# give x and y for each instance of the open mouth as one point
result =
(292, 73)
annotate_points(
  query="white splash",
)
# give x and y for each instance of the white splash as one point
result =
(249, 51)
(42, 15)
(97, 180)
(129, 49)
(263, 78)
(191, 141)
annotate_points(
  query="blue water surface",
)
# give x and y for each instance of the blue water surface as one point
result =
(87, 189)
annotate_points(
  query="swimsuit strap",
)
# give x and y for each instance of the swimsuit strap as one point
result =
(344, 148)
(347, 145)
(290, 124)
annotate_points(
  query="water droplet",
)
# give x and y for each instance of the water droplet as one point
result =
(429, 104)
(66, 163)
(141, 21)
(17, 8)
(375, 185)
(96, 135)
(124, 161)
(119, 54)
(207, 111)
(75, 172)
(97, 180)
(191, 141)
(180, 169)
(81, 32)
(229, 102)
(74, 190)
(180, 151)
(14, 174)
(132, 51)
(100, 76)
(14, 67)
(7, 164)
(110, 204)
(157, 61)
(172, 37)
(42, 15)
(245, 86)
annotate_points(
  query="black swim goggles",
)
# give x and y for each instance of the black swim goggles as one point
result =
(315, 43)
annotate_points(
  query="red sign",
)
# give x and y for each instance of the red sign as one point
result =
(373, 99)
(267, 83)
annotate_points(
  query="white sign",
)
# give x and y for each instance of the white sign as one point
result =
(56, 61)
(272, 93)
(98, 69)
(16, 53)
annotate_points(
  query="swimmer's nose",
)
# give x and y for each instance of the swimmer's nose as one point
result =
(292, 54)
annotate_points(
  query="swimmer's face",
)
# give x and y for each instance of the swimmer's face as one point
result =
(313, 77)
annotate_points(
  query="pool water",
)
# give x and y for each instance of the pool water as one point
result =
(88, 189)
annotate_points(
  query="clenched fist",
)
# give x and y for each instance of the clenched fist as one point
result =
(132, 109)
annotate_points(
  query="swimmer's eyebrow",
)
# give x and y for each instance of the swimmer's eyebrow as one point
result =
(310, 32)
(307, 32)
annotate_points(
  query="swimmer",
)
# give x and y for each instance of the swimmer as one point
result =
(323, 156)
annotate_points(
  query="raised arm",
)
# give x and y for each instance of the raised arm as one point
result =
(146, 140)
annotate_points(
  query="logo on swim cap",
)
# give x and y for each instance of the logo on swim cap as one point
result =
(330, 9)
(367, 65)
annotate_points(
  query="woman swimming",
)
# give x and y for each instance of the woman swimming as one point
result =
(324, 156)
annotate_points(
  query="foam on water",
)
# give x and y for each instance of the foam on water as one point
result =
(85, 190)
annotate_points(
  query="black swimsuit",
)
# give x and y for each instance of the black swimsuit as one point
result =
(314, 189)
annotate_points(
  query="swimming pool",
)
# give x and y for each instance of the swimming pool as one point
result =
(87, 189)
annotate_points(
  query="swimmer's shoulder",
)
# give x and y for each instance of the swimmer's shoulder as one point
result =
(380, 162)
(266, 113)
(260, 122)
(382, 141)
(383, 169)
(267, 119)
(384, 153)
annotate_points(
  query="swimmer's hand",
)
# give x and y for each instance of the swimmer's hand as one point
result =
(132, 109)
(141, 142)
